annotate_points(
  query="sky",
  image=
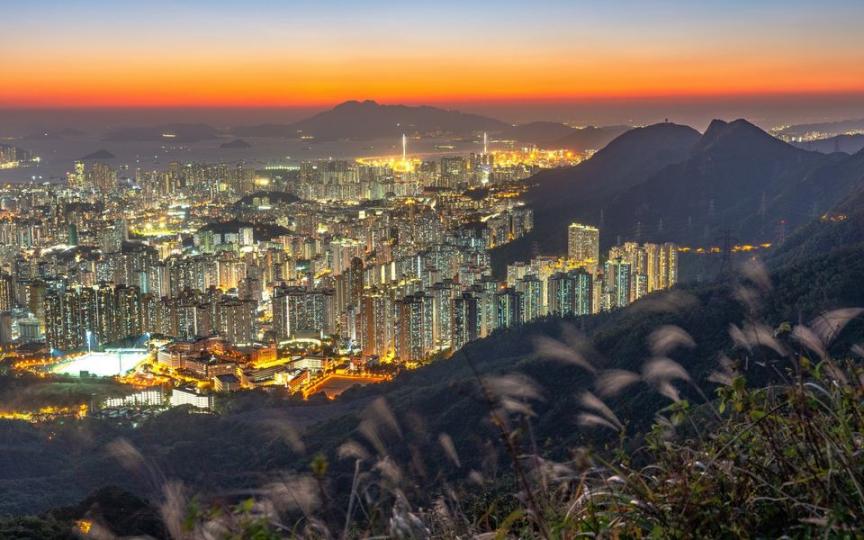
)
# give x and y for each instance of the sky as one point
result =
(469, 54)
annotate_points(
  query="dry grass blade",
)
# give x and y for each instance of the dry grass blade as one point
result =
(612, 381)
(380, 413)
(658, 370)
(446, 443)
(719, 377)
(668, 338)
(726, 374)
(369, 430)
(809, 339)
(752, 336)
(513, 385)
(668, 390)
(829, 325)
(123, 451)
(517, 407)
(173, 509)
(592, 402)
(756, 271)
(748, 297)
(666, 302)
(285, 432)
(593, 420)
(352, 450)
(553, 349)
(389, 470)
(295, 492)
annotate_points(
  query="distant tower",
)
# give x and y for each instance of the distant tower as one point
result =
(404, 148)
(781, 232)
(485, 143)
(727, 242)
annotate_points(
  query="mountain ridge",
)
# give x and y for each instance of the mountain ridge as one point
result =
(362, 120)
(733, 178)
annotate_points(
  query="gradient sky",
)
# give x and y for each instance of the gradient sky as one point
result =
(307, 53)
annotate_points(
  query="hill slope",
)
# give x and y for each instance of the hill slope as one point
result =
(837, 228)
(591, 137)
(734, 178)
(560, 196)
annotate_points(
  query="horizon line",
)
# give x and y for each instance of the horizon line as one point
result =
(572, 99)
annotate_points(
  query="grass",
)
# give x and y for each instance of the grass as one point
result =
(732, 456)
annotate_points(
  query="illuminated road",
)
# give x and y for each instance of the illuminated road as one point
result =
(334, 384)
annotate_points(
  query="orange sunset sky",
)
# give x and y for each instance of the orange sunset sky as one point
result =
(262, 53)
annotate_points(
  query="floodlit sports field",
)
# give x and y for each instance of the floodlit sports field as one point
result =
(102, 364)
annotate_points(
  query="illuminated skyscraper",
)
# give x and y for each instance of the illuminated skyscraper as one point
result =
(617, 277)
(571, 293)
(375, 324)
(7, 292)
(583, 242)
(301, 312)
(100, 176)
(668, 265)
(508, 305)
(465, 319)
(531, 290)
(76, 179)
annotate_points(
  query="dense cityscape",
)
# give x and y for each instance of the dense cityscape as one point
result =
(453, 270)
(307, 277)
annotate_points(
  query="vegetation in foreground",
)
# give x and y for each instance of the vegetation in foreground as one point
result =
(768, 444)
(784, 459)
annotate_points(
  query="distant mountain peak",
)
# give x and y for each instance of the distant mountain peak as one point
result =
(651, 134)
(737, 136)
(355, 103)
(98, 155)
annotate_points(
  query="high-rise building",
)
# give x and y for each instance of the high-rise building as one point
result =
(100, 176)
(236, 320)
(583, 242)
(571, 293)
(465, 319)
(76, 179)
(414, 336)
(7, 292)
(531, 290)
(508, 308)
(442, 321)
(375, 324)
(5, 329)
(617, 279)
(298, 311)
(668, 265)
